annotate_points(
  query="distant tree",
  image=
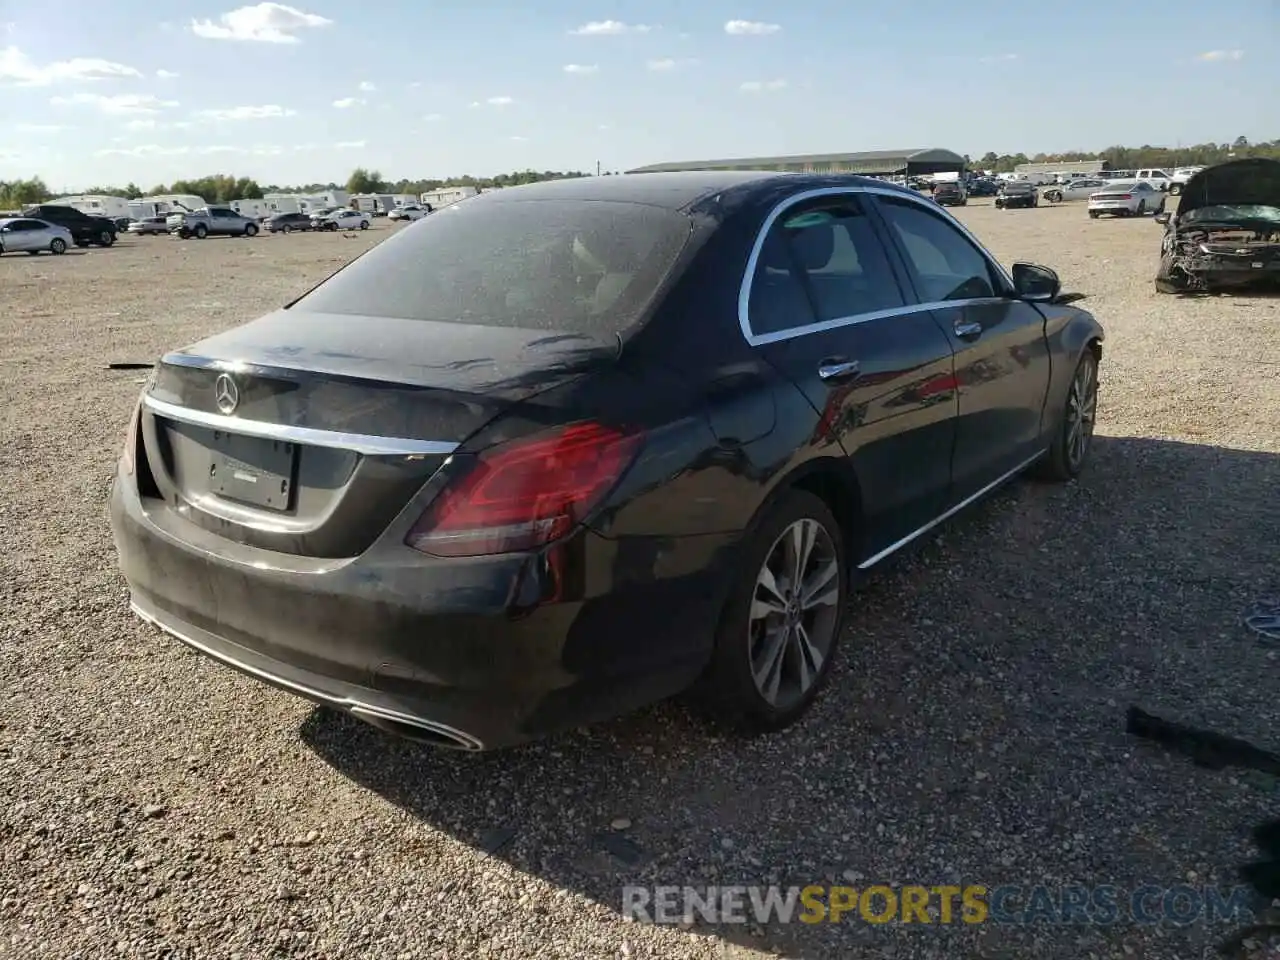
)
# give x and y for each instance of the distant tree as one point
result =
(16, 194)
(365, 181)
(1241, 143)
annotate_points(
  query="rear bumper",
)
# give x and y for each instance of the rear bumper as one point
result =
(451, 651)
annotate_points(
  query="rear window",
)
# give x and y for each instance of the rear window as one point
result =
(586, 266)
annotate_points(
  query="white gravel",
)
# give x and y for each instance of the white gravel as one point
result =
(154, 804)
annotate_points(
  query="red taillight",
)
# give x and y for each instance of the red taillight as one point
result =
(527, 493)
(1121, 196)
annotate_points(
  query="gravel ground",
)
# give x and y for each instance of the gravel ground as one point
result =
(155, 804)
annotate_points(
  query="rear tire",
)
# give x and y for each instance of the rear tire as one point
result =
(778, 633)
(1175, 189)
(364, 224)
(1142, 209)
(286, 229)
(58, 246)
(1073, 437)
(1094, 214)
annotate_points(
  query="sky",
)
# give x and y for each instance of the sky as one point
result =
(130, 90)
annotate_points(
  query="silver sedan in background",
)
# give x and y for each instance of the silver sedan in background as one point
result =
(29, 235)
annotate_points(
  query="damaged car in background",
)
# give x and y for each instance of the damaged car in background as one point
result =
(1226, 233)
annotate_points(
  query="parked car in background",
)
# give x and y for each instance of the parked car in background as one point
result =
(148, 225)
(1133, 198)
(407, 212)
(405, 494)
(85, 228)
(1074, 190)
(29, 235)
(950, 193)
(983, 187)
(1017, 193)
(211, 221)
(1180, 178)
(288, 222)
(1226, 231)
(1156, 177)
(342, 220)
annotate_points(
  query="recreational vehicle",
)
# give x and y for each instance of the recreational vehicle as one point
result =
(163, 204)
(253, 209)
(96, 205)
(442, 197)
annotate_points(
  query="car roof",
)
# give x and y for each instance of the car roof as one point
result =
(674, 190)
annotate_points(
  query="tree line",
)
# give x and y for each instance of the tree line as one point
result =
(223, 188)
(1137, 158)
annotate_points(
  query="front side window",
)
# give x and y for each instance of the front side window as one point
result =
(818, 263)
(944, 262)
(581, 266)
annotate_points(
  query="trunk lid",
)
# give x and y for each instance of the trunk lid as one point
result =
(308, 433)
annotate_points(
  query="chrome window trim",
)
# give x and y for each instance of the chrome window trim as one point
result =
(821, 326)
(365, 444)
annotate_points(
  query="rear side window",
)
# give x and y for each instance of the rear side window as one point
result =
(820, 263)
(945, 263)
(580, 266)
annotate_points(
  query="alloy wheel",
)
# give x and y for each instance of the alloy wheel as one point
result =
(794, 613)
(1082, 409)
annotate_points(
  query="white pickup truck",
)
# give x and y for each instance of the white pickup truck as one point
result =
(1180, 177)
(1156, 177)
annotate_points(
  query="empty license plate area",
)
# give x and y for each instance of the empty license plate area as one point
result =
(252, 470)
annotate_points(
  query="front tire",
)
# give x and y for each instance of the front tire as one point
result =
(1175, 189)
(106, 238)
(364, 224)
(251, 230)
(201, 231)
(1073, 440)
(58, 246)
(780, 628)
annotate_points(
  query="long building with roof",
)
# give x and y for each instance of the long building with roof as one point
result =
(882, 163)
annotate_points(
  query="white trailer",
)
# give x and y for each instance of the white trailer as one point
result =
(443, 196)
(253, 209)
(96, 205)
(283, 203)
(163, 204)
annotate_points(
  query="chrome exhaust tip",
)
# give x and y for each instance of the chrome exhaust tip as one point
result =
(416, 729)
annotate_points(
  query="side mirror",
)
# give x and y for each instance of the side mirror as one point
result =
(1164, 218)
(1035, 283)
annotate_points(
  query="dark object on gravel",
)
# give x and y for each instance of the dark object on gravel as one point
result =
(1204, 747)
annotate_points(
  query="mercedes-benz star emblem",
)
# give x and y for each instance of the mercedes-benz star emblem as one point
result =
(226, 394)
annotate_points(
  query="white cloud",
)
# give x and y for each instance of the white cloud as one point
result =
(750, 28)
(125, 103)
(762, 86)
(263, 23)
(661, 65)
(520, 139)
(433, 117)
(350, 144)
(367, 87)
(165, 74)
(1216, 56)
(500, 101)
(346, 102)
(265, 112)
(38, 128)
(415, 85)
(609, 28)
(581, 68)
(140, 125)
(18, 68)
(1001, 58)
(143, 150)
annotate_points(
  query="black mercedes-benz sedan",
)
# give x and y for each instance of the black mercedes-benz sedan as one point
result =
(570, 448)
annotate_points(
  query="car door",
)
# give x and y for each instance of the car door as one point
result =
(1002, 354)
(22, 235)
(828, 309)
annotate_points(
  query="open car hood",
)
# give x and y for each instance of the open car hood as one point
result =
(1254, 180)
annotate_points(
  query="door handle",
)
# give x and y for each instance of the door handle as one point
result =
(837, 368)
(968, 330)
